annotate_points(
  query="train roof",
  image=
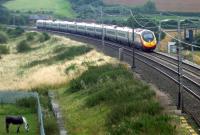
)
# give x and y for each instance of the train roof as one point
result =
(111, 27)
(140, 31)
(125, 29)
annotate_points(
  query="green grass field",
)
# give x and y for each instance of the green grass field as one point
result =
(58, 7)
(31, 117)
(108, 100)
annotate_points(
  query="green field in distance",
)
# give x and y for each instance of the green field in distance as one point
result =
(58, 7)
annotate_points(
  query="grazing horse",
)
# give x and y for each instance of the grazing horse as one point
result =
(16, 120)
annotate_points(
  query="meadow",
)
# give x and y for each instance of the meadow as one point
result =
(57, 7)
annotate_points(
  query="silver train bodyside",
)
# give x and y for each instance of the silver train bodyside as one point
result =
(114, 33)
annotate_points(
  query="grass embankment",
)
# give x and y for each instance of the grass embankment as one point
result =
(22, 108)
(108, 100)
(57, 7)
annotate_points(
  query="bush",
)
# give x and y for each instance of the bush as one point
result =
(15, 32)
(70, 68)
(30, 37)
(4, 49)
(23, 46)
(44, 37)
(50, 125)
(93, 74)
(3, 38)
(29, 102)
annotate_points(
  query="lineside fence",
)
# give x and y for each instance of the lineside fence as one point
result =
(10, 97)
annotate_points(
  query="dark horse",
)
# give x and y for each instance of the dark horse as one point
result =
(16, 120)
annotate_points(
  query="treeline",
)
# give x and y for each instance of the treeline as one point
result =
(86, 8)
(7, 17)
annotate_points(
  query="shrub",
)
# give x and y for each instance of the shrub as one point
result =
(44, 37)
(50, 125)
(4, 49)
(15, 32)
(29, 102)
(95, 73)
(70, 68)
(30, 36)
(3, 38)
(23, 46)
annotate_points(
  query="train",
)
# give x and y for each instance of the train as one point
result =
(143, 39)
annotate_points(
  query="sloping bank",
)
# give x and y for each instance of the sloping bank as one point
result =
(108, 100)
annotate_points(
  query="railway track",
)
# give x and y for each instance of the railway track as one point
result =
(163, 65)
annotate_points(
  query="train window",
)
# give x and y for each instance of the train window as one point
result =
(148, 36)
(62, 25)
(99, 30)
(82, 28)
(73, 27)
(137, 38)
(122, 34)
(90, 29)
(110, 32)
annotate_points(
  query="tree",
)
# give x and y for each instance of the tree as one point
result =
(150, 7)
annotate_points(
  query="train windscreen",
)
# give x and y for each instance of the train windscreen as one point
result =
(148, 36)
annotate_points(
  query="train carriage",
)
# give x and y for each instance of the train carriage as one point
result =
(72, 27)
(55, 25)
(81, 28)
(63, 26)
(90, 29)
(40, 24)
(98, 30)
(123, 35)
(47, 24)
(111, 33)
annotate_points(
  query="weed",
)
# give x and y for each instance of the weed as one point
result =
(30, 36)
(3, 37)
(23, 46)
(95, 74)
(44, 37)
(28, 103)
(15, 32)
(4, 49)
(70, 68)
(50, 125)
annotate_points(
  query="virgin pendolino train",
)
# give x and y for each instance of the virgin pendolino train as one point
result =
(143, 39)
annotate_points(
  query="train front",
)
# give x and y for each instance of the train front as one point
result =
(149, 40)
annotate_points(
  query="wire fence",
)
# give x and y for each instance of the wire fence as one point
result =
(10, 97)
(189, 51)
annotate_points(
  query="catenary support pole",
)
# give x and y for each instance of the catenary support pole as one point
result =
(179, 106)
(103, 30)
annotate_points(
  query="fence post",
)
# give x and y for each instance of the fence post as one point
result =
(121, 54)
(133, 46)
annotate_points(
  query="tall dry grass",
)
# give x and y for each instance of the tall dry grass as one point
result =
(14, 76)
